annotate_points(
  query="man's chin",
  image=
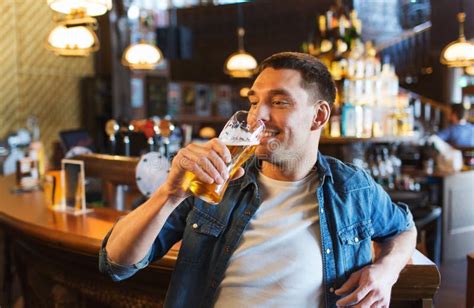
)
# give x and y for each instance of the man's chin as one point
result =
(262, 153)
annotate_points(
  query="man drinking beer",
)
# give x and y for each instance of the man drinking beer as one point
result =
(293, 229)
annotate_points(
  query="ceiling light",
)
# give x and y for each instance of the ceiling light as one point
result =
(240, 64)
(142, 56)
(470, 70)
(459, 53)
(73, 38)
(89, 7)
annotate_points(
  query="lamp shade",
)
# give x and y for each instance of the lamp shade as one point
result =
(72, 41)
(89, 7)
(470, 70)
(141, 56)
(459, 53)
(240, 64)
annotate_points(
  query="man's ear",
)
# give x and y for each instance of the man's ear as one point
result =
(322, 113)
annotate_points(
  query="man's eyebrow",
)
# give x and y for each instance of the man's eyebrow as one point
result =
(279, 92)
(271, 92)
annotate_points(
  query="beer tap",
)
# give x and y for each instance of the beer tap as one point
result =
(126, 138)
(150, 132)
(166, 129)
(111, 129)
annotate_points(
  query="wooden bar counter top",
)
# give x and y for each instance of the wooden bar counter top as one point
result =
(55, 257)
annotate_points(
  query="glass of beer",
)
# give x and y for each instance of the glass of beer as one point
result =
(241, 135)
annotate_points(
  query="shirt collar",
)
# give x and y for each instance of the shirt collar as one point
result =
(252, 167)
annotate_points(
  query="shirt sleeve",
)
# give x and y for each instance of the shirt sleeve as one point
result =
(388, 218)
(117, 271)
(170, 234)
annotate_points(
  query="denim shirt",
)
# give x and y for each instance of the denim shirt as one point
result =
(353, 210)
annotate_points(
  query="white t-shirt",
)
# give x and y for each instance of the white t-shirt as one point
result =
(278, 261)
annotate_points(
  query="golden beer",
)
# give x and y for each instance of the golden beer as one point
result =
(213, 193)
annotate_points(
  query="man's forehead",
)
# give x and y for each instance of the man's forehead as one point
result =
(271, 78)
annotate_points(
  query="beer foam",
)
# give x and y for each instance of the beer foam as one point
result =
(238, 137)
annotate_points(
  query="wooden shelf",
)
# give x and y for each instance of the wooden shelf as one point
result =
(349, 140)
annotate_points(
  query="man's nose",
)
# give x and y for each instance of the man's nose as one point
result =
(261, 112)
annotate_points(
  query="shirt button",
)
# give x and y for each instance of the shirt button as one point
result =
(214, 284)
(247, 213)
(322, 210)
(356, 239)
(328, 251)
(226, 249)
(331, 289)
(195, 226)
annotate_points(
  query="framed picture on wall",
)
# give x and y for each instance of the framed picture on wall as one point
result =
(203, 100)
(188, 98)
(174, 99)
(156, 96)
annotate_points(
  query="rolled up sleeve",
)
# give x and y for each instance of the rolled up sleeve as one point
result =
(117, 271)
(388, 218)
(171, 233)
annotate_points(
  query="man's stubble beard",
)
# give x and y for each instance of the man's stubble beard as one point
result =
(280, 158)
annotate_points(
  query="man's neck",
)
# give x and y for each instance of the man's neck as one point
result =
(289, 172)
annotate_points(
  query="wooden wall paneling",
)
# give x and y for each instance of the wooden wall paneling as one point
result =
(271, 26)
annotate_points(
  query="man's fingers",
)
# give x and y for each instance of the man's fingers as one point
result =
(349, 285)
(221, 149)
(378, 304)
(200, 163)
(367, 302)
(201, 174)
(355, 297)
(216, 160)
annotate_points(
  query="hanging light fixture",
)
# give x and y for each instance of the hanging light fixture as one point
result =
(459, 53)
(240, 64)
(142, 55)
(89, 7)
(470, 70)
(73, 37)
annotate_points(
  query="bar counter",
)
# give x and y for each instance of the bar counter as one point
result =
(55, 256)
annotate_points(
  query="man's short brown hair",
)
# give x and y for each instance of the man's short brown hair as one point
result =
(459, 111)
(315, 75)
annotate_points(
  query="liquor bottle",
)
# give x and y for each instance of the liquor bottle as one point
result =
(325, 43)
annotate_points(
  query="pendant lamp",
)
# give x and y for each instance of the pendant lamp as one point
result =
(142, 56)
(240, 64)
(89, 7)
(74, 37)
(459, 53)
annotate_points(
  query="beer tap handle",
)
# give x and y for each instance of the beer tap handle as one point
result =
(112, 144)
(126, 138)
(126, 145)
(151, 144)
(111, 129)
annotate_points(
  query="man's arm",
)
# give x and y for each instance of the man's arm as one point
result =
(135, 233)
(371, 286)
(133, 236)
